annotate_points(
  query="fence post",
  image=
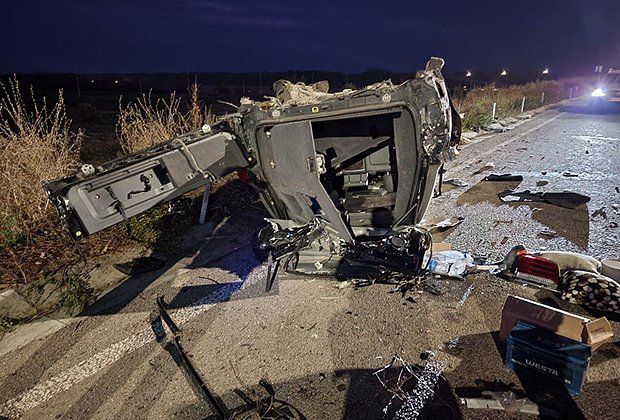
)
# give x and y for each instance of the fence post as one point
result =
(493, 115)
(522, 105)
(77, 82)
(542, 98)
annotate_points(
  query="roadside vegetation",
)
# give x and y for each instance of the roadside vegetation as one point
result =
(37, 143)
(146, 123)
(477, 104)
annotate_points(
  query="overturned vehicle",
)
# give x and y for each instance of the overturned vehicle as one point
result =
(345, 176)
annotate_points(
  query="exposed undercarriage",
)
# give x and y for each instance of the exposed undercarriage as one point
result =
(345, 176)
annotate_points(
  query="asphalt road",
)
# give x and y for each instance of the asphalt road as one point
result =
(319, 345)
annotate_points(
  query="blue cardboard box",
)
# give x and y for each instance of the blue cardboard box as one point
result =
(539, 351)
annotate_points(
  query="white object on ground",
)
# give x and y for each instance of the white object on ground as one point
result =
(452, 263)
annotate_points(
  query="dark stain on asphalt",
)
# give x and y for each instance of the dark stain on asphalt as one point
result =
(485, 191)
(573, 225)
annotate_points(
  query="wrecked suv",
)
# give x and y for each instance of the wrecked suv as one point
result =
(345, 176)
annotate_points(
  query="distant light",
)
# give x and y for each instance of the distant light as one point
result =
(468, 74)
(116, 81)
(503, 73)
(545, 71)
(92, 81)
(598, 93)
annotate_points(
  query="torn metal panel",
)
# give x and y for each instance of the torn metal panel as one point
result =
(129, 186)
(362, 162)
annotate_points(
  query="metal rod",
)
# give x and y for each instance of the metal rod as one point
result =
(214, 401)
(205, 204)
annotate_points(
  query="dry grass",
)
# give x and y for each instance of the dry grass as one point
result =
(146, 123)
(477, 105)
(36, 144)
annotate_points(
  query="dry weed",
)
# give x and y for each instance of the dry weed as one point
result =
(36, 144)
(146, 123)
(478, 104)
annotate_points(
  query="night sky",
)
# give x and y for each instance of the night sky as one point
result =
(83, 36)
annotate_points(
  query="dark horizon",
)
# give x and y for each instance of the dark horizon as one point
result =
(568, 37)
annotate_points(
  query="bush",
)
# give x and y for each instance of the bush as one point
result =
(145, 123)
(36, 145)
(477, 105)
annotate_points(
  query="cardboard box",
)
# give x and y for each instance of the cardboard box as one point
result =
(593, 332)
(441, 246)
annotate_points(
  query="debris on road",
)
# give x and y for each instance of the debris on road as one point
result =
(507, 401)
(524, 267)
(578, 277)
(569, 174)
(466, 295)
(575, 327)
(180, 357)
(457, 182)
(140, 265)
(592, 289)
(453, 343)
(441, 246)
(412, 402)
(531, 349)
(379, 259)
(600, 212)
(611, 268)
(265, 408)
(487, 167)
(566, 199)
(502, 178)
(548, 233)
(452, 263)
(441, 225)
(571, 261)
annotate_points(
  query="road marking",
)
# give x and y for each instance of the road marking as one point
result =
(42, 392)
(506, 142)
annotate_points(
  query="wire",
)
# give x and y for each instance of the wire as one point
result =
(399, 221)
(80, 253)
(192, 160)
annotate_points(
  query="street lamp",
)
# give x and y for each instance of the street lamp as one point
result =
(468, 74)
(545, 71)
(503, 73)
